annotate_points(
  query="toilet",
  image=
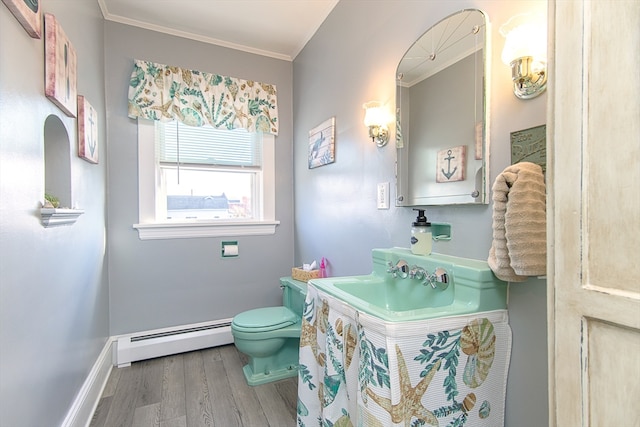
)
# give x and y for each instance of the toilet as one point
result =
(270, 336)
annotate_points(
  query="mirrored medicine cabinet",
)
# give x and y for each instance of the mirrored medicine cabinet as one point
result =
(442, 132)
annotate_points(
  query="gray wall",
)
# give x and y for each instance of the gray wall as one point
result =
(160, 283)
(55, 295)
(352, 60)
(53, 283)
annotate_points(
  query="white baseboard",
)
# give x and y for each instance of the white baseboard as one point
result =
(167, 341)
(121, 351)
(86, 401)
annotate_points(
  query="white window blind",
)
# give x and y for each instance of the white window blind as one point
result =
(183, 144)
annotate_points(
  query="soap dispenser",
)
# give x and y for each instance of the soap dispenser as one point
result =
(421, 235)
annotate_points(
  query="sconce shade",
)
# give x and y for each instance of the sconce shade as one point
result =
(524, 38)
(374, 114)
(525, 51)
(376, 118)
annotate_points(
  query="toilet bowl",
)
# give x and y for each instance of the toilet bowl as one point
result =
(270, 336)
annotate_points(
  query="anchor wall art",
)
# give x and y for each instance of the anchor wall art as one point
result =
(452, 164)
(87, 131)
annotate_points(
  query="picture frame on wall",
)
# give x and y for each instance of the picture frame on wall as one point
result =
(87, 131)
(530, 145)
(29, 15)
(451, 164)
(322, 144)
(60, 67)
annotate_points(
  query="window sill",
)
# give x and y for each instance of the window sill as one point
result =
(190, 230)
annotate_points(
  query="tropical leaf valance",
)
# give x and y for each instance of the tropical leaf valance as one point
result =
(164, 93)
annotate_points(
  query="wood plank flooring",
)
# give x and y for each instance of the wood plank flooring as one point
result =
(200, 388)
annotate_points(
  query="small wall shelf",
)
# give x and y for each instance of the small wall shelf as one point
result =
(53, 217)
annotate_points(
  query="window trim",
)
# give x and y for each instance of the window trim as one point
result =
(148, 177)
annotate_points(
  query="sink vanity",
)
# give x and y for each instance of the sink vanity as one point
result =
(422, 340)
(472, 288)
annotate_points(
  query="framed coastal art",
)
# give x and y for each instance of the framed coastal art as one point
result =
(451, 164)
(87, 131)
(322, 144)
(28, 13)
(60, 67)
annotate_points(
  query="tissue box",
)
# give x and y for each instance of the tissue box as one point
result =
(304, 276)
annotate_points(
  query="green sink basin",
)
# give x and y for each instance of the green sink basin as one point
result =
(472, 288)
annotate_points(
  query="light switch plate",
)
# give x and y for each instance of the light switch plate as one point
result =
(383, 195)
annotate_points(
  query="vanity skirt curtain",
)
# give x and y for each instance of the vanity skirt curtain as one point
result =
(357, 370)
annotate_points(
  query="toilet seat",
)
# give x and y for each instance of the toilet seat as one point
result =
(264, 319)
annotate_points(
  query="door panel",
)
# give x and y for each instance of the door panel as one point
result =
(612, 350)
(611, 70)
(594, 212)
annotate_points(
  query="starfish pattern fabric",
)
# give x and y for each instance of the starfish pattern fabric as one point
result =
(410, 404)
(356, 371)
(164, 93)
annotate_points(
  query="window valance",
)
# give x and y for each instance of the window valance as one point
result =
(164, 93)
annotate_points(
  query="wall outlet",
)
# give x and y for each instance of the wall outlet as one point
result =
(383, 195)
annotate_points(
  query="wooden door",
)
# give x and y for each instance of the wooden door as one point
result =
(594, 213)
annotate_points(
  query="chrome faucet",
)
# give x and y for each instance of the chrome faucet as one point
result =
(417, 273)
(400, 269)
(439, 279)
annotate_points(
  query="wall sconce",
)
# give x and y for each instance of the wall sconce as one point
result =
(376, 118)
(525, 50)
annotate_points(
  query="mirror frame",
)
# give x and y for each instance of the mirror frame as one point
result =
(478, 193)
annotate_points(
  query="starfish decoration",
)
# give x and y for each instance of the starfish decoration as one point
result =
(309, 332)
(164, 106)
(410, 404)
(240, 114)
(308, 337)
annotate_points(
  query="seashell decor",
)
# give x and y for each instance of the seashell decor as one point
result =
(478, 342)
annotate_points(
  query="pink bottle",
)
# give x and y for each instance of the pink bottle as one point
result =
(323, 268)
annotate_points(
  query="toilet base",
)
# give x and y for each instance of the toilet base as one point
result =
(258, 378)
(270, 365)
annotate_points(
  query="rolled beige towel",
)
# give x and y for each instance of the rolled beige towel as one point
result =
(519, 247)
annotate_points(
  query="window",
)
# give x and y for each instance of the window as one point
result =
(208, 173)
(204, 182)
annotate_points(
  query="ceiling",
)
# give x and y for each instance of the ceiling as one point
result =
(274, 28)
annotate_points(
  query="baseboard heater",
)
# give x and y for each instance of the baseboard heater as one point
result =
(164, 342)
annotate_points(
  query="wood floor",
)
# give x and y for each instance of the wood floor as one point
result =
(201, 388)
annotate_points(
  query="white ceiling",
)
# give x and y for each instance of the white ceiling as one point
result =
(274, 28)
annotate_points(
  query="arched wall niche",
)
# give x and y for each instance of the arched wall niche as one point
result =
(57, 174)
(57, 162)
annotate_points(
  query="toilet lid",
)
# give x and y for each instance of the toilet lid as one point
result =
(264, 319)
